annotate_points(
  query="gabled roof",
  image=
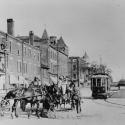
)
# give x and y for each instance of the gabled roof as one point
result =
(61, 42)
(45, 35)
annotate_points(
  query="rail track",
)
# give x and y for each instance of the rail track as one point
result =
(108, 103)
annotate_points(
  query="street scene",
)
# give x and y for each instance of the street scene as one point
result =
(62, 62)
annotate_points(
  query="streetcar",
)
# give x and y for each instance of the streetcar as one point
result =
(100, 85)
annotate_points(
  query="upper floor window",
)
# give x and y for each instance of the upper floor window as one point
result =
(74, 67)
(19, 66)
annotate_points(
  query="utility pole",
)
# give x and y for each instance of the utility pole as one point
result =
(78, 71)
(57, 63)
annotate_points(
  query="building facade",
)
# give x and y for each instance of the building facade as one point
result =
(54, 55)
(78, 70)
(62, 57)
(21, 59)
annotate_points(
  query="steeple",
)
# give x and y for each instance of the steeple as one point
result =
(85, 57)
(45, 35)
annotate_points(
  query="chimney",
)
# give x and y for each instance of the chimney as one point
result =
(31, 38)
(53, 40)
(10, 27)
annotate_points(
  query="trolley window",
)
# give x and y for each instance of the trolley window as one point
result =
(98, 82)
(103, 81)
(94, 82)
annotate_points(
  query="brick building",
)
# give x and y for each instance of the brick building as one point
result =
(21, 60)
(54, 55)
(78, 69)
(62, 52)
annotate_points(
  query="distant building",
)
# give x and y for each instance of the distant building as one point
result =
(78, 70)
(21, 59)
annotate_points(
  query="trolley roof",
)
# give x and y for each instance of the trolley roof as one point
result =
(100, 76)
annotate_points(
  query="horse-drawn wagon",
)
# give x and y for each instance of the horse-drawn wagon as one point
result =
(48, 97)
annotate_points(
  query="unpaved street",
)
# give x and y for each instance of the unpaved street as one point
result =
(94, 112)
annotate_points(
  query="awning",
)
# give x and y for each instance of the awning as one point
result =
(22, 80)
(13, 79)
(54, 79)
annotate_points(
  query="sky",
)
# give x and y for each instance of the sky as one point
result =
(94, 26)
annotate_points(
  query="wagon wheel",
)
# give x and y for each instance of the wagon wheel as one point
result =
(5, 103)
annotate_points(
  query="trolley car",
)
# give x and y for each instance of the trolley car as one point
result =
(100, 85)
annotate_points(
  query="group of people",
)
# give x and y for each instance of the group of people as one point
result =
(64, 89)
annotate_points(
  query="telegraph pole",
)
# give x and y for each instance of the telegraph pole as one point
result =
(78, 71)
(57, 64)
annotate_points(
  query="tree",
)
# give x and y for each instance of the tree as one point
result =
(95, 68)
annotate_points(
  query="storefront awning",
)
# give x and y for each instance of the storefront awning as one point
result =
(54, 79)
(22, 80)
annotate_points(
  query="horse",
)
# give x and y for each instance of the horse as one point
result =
(15, 95)
(32, 96)
(76, 100)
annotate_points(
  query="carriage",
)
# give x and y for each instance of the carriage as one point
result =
(100, 85)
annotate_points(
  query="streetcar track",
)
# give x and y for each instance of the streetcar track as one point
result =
(111, 104)
(114, 103)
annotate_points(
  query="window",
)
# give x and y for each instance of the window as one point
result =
(103, 81)
(19, 67)
(94, 82)
(74, 67)
(24, 68)
(99, 82)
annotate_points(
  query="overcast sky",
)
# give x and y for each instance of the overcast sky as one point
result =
(94, 26)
